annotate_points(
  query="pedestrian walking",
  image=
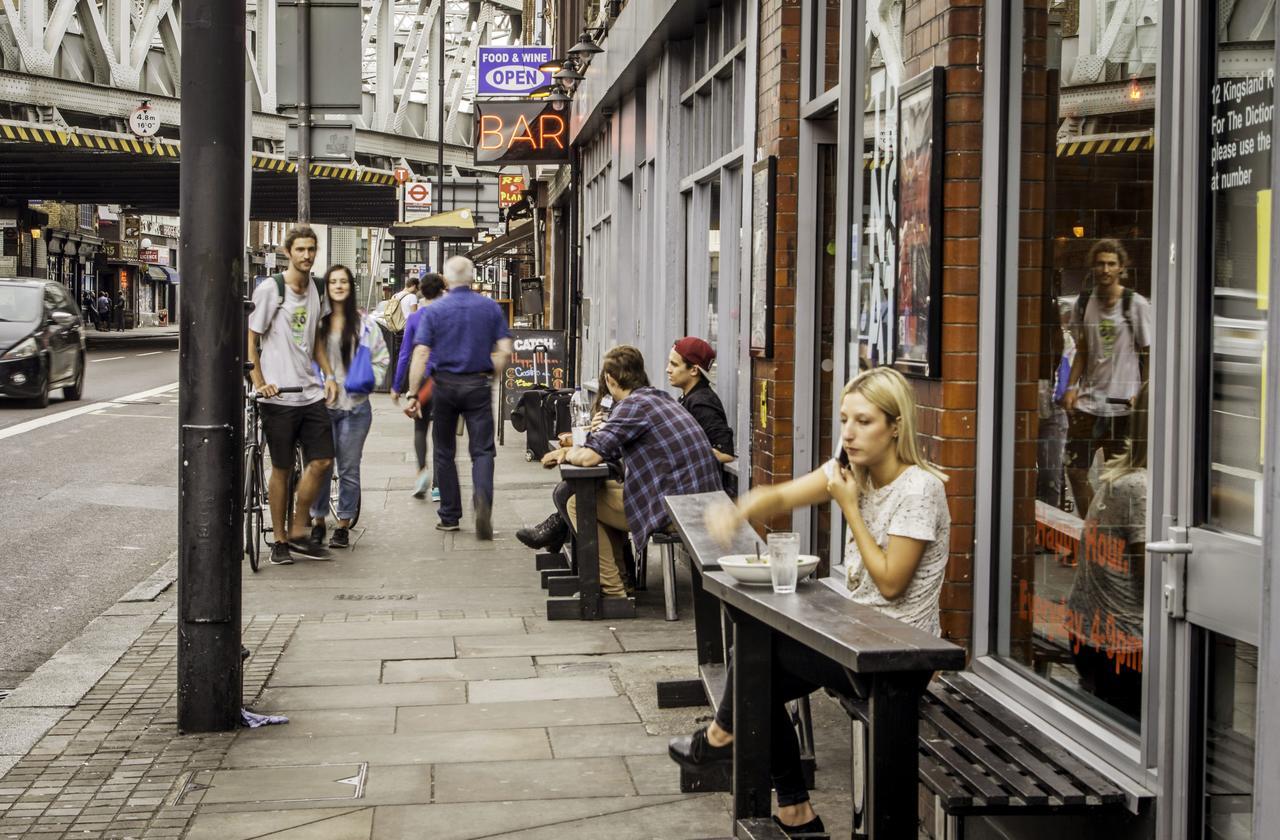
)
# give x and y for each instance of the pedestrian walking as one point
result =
(287, 309)
(432, 288)
(353, 343)
(104, 312)
(118, 311)
(398, 309)
(1111, 324)
(89, 307)
(460, 342)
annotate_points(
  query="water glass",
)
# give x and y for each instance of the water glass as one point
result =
(784, 558)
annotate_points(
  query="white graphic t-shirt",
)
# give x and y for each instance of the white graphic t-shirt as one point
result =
(287, 351)
(913, 505)
(1113, 371)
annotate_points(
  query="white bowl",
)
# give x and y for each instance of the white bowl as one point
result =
(745, 569)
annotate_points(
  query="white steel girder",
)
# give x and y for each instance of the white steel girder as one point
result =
(133, 47)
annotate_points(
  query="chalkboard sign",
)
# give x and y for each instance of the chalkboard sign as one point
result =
(537, 361)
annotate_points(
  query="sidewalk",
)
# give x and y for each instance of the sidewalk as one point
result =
(427, 694)
(95, 338)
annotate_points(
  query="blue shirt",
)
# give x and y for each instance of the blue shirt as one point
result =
(461, 329)
(400, 383)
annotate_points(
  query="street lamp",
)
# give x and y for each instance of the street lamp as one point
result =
(586, 46)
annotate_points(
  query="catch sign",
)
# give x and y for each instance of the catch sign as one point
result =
(511, 71)
(522, 132)
(537, 361)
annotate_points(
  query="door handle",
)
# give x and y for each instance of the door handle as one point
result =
(1169, 547)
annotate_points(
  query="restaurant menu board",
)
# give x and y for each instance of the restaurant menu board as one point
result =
(1241, 132)
(537, 361)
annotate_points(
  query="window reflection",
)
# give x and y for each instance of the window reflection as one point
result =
(1084, 328)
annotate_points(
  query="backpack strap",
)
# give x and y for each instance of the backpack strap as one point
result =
(316, 282)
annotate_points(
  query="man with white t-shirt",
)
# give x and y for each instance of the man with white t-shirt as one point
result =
(1112, 328)
(284, 320)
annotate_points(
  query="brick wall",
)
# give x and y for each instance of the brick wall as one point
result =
(778, 113)
(942, 33)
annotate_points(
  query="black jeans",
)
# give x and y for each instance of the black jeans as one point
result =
(797, 672)
(561, 496)
(470, 397)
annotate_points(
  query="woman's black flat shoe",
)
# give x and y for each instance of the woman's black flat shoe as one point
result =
(812, 830)
(694, 752)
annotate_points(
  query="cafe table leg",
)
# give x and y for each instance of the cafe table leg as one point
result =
(706, 621)
(752, 698)
(892, 770)
(588, 549)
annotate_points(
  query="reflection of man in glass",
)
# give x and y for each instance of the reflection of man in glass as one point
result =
(1112, 328)
(1107, 594)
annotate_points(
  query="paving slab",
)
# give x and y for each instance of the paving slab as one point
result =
(260, 823)
(311, 672)
(370, 649)
(676, 638)
(431, 670)
(312, 723)
(540, 688)
(431, 748)
(605, 739)
(653, 774)
(361, 696)
(690, 818)
(497, 716)
(466, 821)
(20, 728)
(338, 630)
(554, 779)
(537, 644)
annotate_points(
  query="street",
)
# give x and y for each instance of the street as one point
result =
(89, 494)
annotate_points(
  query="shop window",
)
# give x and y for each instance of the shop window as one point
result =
(1076, 577)
(826, 45)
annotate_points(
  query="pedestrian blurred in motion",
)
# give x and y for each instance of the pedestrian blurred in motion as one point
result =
(104, 312)
(460, 342)
(432, 288)
(118, 311)
(353, 343)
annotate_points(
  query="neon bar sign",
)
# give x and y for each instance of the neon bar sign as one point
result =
(522, 132)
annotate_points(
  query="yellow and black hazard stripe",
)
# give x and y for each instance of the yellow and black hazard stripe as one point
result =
(96, 141)
(89, 141)
(1143, 142)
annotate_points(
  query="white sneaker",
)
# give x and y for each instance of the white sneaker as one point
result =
(423, 482)
(435, 494)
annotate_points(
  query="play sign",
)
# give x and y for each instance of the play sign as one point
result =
(511, 71)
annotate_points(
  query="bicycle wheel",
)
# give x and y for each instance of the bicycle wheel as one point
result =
(253, 505)
(295, 478)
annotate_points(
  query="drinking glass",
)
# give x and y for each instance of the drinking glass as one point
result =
(784, 557)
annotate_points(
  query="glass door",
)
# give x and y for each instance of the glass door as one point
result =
(1212, 564)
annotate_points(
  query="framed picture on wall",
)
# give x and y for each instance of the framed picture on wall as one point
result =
(764, 179)
(918, 293)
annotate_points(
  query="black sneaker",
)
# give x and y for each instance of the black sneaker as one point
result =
(447, 526)
(341, 538)
(280, 555)
(309, 548)
(694, 752)
(812, 830)
(484, 519)
(317, 533)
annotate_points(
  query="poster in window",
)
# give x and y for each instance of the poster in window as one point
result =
(764, 179)
(918, 298)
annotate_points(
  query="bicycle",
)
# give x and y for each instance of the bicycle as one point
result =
(256, 526)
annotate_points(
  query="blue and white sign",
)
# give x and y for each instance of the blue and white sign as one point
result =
(511, 71)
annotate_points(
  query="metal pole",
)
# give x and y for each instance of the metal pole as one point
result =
(211, 330)
(444, 19)
(304, 111)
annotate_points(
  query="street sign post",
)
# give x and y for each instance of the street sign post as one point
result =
(511, 71)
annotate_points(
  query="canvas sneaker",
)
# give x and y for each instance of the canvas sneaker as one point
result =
(280, 555)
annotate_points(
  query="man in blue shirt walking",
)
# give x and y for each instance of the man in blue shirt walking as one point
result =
(460, 342)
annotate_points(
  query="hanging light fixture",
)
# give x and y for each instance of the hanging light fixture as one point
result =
(586, 46)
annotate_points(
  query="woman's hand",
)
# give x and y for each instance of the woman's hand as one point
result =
(598, 419)
(722, 521)
(412, 409)
(565, 440)
(843, 488)
(554, 458)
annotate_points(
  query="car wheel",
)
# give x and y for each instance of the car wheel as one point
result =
(75, 391)
(42, 399)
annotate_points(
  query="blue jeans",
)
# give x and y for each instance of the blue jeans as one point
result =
(350, 428)
(469, 397)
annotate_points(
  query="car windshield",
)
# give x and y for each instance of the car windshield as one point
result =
(20, 303)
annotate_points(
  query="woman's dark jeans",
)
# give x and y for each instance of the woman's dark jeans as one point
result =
(797, 672)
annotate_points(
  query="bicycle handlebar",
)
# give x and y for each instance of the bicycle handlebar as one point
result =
(294, 390)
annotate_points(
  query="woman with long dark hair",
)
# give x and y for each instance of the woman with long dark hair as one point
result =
(343, 331)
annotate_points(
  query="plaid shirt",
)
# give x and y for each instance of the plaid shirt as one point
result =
(666, 454)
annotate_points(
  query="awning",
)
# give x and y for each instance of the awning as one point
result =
(156, 275)
(457, 225)
(502, 244)
(169, 274)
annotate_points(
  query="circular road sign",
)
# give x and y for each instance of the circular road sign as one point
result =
(143, 121)
(400, 174)
(418, 193)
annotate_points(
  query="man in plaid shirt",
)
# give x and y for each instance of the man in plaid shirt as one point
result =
(663, 448)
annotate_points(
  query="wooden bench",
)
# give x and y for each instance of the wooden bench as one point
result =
(712, 632)
(894, 660)
(583, 598)
(979, 758)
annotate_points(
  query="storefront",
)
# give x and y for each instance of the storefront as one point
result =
(123, 277)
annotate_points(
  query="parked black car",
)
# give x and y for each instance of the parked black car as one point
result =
(42, 345)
